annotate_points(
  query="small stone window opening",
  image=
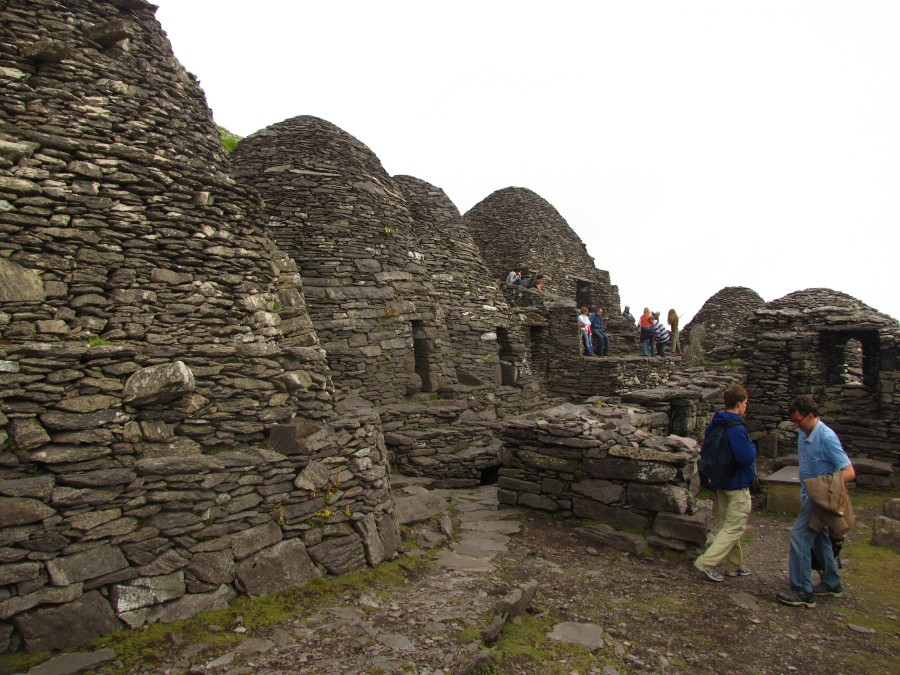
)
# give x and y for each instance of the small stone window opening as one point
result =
(584, 294)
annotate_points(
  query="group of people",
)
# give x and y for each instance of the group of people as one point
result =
(654, 335)
(825, 470)
(515, 277)
(596, 340)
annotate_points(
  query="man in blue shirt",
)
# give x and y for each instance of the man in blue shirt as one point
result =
(820, 453)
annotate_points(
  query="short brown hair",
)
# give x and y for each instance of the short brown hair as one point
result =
(804, 405)
(733, 395)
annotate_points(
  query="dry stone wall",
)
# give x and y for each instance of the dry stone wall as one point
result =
(802, 344)
(609, 464)
(152, 338)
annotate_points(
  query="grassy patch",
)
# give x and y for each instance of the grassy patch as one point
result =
(153, 643)
(524, 646)
(229, 139)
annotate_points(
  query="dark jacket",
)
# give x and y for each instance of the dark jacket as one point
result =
(596, 322)
(741, 447)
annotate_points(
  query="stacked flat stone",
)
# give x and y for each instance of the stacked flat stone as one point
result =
(335, 211)
(148, 323)
(515, 226)
(724, 318)
(612, 464)
(798, 345)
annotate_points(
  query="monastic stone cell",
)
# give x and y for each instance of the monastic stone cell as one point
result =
(724, 317)
(515, 226)
(802, 344)
(335, 211)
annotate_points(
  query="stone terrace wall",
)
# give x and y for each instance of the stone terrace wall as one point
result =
(515, 226)
(159, 539)
(801, 344)
(724, 317)
(608, 464)
(335, 211)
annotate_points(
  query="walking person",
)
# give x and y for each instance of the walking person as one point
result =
(733, 497)
(820, 453)
(599, 336)
(584, 325)
(673, 326)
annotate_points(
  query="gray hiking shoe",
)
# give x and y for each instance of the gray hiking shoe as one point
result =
(820, 589)
(711, 572)
(739, 572)
(797, 599)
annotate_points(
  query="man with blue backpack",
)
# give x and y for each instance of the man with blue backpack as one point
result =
(727, 465)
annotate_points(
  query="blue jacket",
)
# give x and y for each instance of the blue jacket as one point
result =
(741, 447)
(596, 322)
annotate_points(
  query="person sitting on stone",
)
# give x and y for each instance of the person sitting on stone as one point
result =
(513, 276)
(627, 313)
(600, 338)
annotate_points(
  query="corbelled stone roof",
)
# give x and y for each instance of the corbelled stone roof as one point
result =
(722, 316)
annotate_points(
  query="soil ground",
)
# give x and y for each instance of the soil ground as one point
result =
(656, 613)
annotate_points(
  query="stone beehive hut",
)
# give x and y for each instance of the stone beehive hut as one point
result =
(335, 211)
(723, 318)
(843, 352)
(153, 338)
(485, 340)
(514, 226)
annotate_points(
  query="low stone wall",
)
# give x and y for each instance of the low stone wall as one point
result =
(610, 464)
(124, 540)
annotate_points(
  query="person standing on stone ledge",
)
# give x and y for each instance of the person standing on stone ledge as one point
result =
(660, 335)
(673, 326)
(584, 325)
(645, 323)
(599, 336)
(733, 498)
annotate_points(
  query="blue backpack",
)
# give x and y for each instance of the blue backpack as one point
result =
(717, 464)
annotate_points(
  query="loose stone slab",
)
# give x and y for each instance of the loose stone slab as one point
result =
(587, 634)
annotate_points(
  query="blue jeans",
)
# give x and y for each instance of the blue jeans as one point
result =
(646, 341)
(803, 540)
(602, 342)
(588, 347)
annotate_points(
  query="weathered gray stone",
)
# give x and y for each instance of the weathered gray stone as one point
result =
(339, 555)
(300, 438)
(94, 562)
(28, 433)
(74, 662)
(682, 527)
(886, 532)
(670, 498)
(278, 568)
(604, 535)
(371, 541)
(214, 567)
(18, 284)
(21, 511)
(248, 542)
(891, 508)
(16, 572)
(145, 591)
(603, 491)
(631, 470)
(617, 517)
(44, 596)
(72, 624)
(39, 488)
(417, 508)
(586, 634)
(158, 384)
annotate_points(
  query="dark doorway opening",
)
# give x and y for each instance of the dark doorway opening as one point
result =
(489, 475)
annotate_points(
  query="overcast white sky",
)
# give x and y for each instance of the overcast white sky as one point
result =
(691, 145)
